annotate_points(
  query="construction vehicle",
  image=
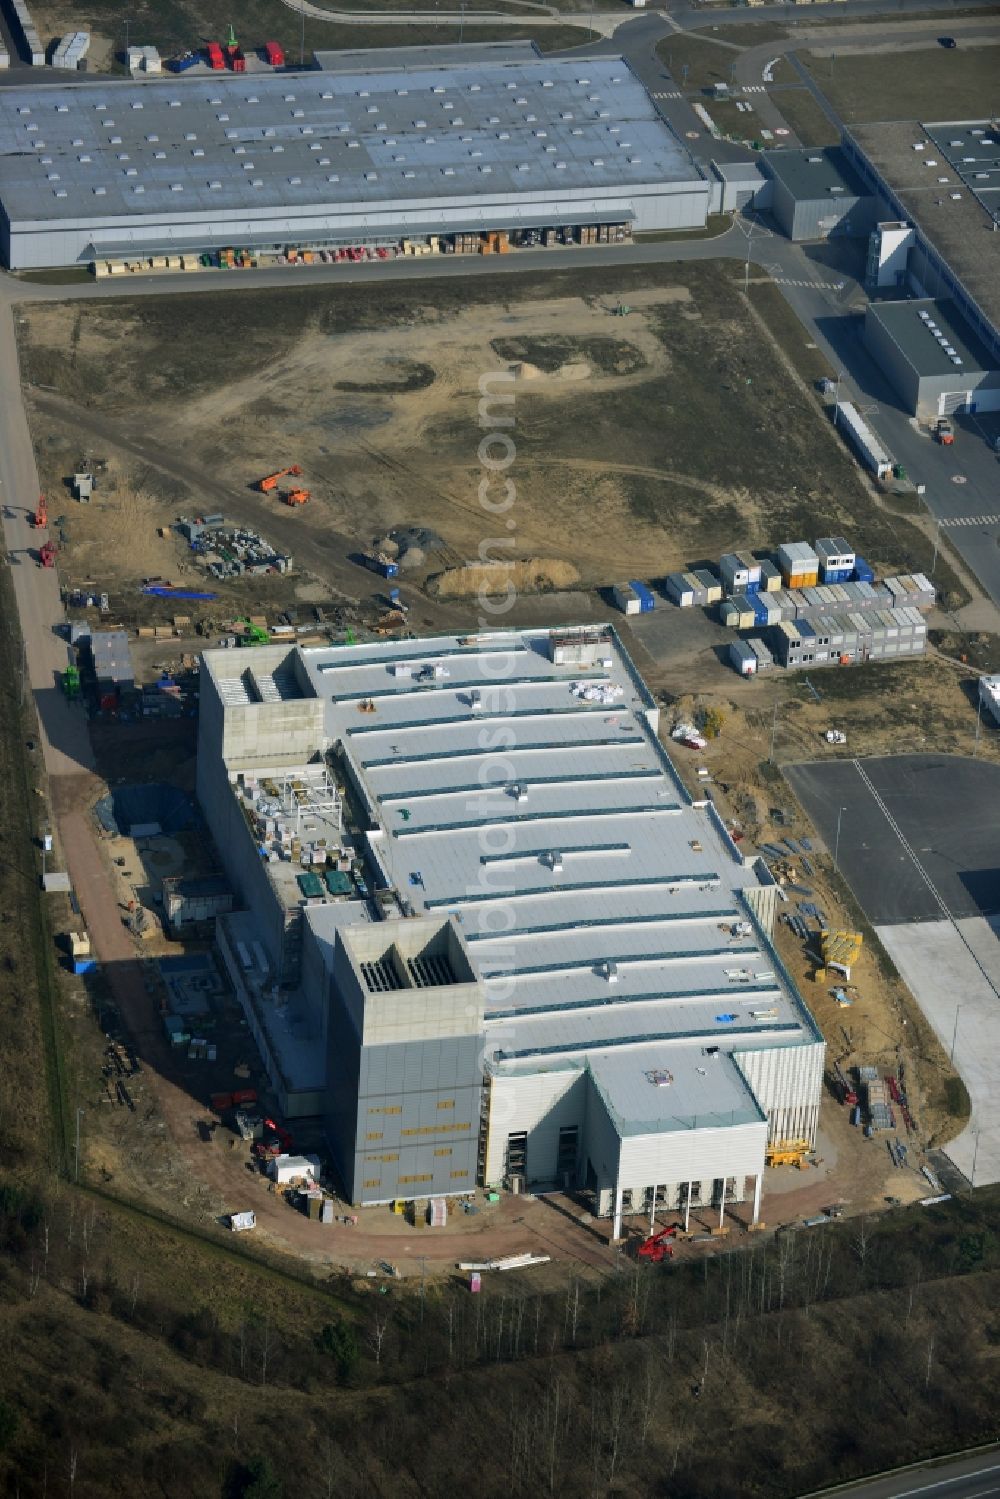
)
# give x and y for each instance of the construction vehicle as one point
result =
(788, 1153)
(71, 683)
(296, 496)
(944, 432)
(282, 1135)
(252, 634)
(40, 519)
(47, 554)
(214, 57)
(381, 564)
(270, 481)
(658, 1247)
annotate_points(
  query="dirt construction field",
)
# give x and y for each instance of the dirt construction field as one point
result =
(634, 444)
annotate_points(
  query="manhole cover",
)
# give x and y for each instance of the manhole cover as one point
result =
(958, 478)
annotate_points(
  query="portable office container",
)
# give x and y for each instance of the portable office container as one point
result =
(740, 572)
(743, 658)
(836, 558)
(760, 650)
(770, 577)
(799, 564)
(711, 585)
(680, 590)
(736, 613)
(626, 598)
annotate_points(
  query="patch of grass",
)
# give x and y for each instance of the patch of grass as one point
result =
(956, 1098)
(803, 115)
(706, 63)
(66, 276)
(921, 85)
(176, 25)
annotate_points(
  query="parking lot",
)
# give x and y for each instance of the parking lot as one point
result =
(919, 844)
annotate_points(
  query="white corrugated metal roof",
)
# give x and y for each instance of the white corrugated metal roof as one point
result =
(300, 140)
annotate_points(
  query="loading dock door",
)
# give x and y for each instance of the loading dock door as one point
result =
(953, 400)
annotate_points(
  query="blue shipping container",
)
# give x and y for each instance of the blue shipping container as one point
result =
(862, 572)
(643, 594)
(84, 965)
(752, 588)
(181, 64)
(760, 610)
(837, 574)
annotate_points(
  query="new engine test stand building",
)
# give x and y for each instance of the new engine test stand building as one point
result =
(487, 934)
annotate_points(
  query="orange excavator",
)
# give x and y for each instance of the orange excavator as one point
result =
(296, 496)
(270, 481)
(40, 519)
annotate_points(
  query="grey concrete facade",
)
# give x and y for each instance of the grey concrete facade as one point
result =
(932, 358)
(816, 194)
(405, 1066)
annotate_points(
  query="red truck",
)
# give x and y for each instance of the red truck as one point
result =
(216, 61)
(274, 55)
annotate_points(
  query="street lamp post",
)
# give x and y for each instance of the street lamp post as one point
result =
(836, 843)
(954, 1034)
(937, 543)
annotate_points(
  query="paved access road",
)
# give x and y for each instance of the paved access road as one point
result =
(975, 1477)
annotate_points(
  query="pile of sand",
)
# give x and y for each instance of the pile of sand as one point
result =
(532, 575)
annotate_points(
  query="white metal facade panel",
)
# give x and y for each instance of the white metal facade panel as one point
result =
(540, 1104)
(786, 1081)
(692, 1155)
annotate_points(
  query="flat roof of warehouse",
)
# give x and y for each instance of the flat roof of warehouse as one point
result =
(815, 172)
(232, 143)
(566, 844)
(959, 227)
(917, 328)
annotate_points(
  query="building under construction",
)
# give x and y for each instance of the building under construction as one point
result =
(487, 933)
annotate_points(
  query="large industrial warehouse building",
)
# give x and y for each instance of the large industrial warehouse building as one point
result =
(325, 158)
(488, 934)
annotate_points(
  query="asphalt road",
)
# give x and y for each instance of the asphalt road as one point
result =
(65, 741)
(919, 834)
(958, 1478)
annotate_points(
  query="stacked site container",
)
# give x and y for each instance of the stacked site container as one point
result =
(845, 638)
(644, 594)
(799, 565)
(27, 28)
(740, 573)
(836, 559)
(71, 50)
(863, 572)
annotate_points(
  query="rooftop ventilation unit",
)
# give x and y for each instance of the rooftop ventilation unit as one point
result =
(955, 359)
(814, 161)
